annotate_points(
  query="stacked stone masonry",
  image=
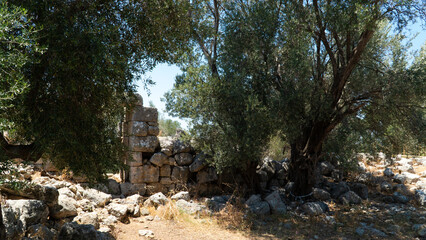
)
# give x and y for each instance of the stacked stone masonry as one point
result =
(159, 164)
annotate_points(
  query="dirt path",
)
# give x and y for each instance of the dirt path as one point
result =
(171, 230)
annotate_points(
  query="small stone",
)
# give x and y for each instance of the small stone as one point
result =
(181, 195)
(146, 233)
(149, 218)
(321, 194)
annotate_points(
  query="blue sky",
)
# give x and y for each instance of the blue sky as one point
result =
(164, 77)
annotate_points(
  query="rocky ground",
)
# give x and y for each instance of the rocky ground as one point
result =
(383, 200)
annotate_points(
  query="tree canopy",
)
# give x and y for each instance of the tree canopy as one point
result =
(302, 67)
(77, 87)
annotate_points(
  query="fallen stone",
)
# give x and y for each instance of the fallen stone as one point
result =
(66, 207)
(207, 175)
(146, 233)
(388, 172)
(118, 210)
(198, 164)
(88, 218)
(156, 200)
(420, 197)
(74, 231)
(314, 208)
(399, 198)
(39, 232)
(350, 198)
(321, 194)
(326, 168)
(181, 195)
(275, 203)
(337, 189)
(98, 197)
(360, 189)
(190, 207)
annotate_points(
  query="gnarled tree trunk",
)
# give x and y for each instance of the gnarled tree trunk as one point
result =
(305, 153)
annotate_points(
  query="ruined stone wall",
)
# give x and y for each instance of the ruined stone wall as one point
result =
(159, 164)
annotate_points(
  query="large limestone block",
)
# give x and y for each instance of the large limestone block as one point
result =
(183, 159)
(143, 114)
(153, 130)
(165, 171)
(137, 128)
(159, 159)
(144, 174)
(207, 175)
(137, 159)
(180, 174)
(143, 144)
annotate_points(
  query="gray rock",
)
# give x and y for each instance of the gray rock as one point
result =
(66, 192)
(146, 233)
(207, 175)
(113, 187)
(118, 210)
(321, 194)
(360, 189)
(388, 172)
(263, 176)
(399, 198)
(159, 159)
(337, 189)
(156, 200)
(420, 197)
(74, 231)
(180, 174)
(326, 168)
(350, 198)
(181, 195)
(183, 159)
(66, 207)
(275, 203)
(386, 187)
(190, 207)
(260, 208)
(181, 147)
(88, 218)
(314, 208)
(18, 215)
(40, 232)
(253, 199)
(406, 168)
(98, 197)
(198, 164)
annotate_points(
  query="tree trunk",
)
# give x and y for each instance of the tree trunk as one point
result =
(251, 178)
(305, 153)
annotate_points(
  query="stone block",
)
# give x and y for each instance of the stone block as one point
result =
(137, 159)
(183, 159)
(144, 174)
(154, 124)
(128, 189)
(153, 131)
(165, 171)
(207, 175)
(166, 181)
(153, 188)
(180, 174)
(172, 161)
(136, 128)
(159, 159)
(143, 114)
(143, 144)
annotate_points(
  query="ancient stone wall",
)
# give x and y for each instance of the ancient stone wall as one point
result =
(159, 164)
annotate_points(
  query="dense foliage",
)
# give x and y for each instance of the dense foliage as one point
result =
(303, 68)
(76, 88)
